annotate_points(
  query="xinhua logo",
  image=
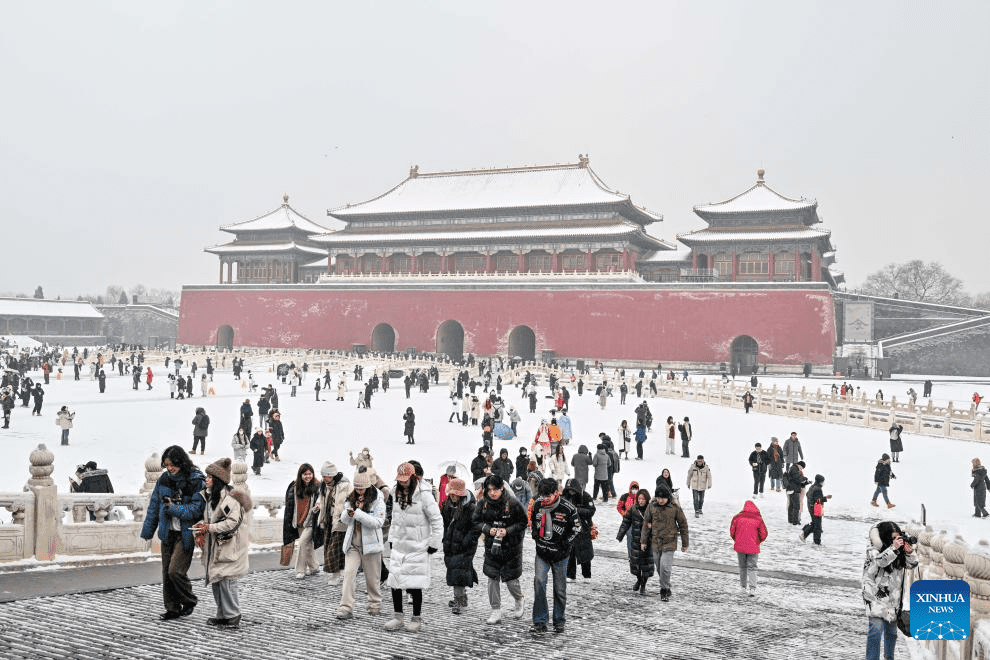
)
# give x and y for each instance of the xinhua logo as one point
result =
(940, 609)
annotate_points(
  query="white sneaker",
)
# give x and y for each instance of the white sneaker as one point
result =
(520, 605)
(300, 576)
(495, 617)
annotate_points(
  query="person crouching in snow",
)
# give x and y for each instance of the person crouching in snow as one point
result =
(748, 531)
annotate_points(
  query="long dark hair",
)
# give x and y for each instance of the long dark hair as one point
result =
(404, 494)
(178, 457)
(886, 530)
(216, 490)
(303, 489)
(370, 495)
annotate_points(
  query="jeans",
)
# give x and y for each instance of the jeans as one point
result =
(776, 483)
(65, 436)
(747, 569)
(879, 628)
(664, 560)
(541, 568)
(759, 478)
(699, 499)
(881, 489)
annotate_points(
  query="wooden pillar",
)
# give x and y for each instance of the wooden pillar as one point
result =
(443, 262)
(798, 266)
(488, 262)
(554, 261)
(588, 260)
(522, 262)
(770, 266)
(694, 260)
(816, 266)
(221, 272)
(414, 265)
(735, 265)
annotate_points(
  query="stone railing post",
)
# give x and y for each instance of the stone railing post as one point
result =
(47, 510)
(152, 470)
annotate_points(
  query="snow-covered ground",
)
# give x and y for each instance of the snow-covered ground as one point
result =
(121, 428)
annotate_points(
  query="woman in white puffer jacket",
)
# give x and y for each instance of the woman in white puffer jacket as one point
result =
(415, 534)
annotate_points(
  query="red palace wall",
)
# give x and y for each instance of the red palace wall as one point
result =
(791, 326)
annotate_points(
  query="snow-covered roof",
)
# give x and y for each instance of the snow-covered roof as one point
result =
(744, 235)
(608, 230)
(37, 307)
(241, 248)
(473, 190)
(284, 217)
(319, 263)
(681, 254)
(760, 197)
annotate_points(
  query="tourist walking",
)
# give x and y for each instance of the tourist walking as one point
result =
(600, 463)
(699, 480)
(240, 444)
(758, 462)
(979, 484)
(631, 529)
(224, 534)
(882, 475)
(277, 432)
(686, 434)
(460, 542)
(259, 448)
(175, 504)
(748, 531)
(416, 532)
(501, 520)
(201, 428)
(816, 509)
(299, 520)
(363, 544)
(640, 440)
(775, 464)
(330, 500)
(670, 429)
(582, 548)
(554, 524)
(664, 522)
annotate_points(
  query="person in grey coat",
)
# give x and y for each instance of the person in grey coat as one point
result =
(600, 463)
(792, 450)
(581, 461)
(979, 486)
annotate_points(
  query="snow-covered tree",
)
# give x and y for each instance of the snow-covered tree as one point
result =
(916, 280)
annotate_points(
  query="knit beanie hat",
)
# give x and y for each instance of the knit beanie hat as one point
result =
(362, 478)
(220, 469)
(329, 470)
(456, 487)
(819, 479)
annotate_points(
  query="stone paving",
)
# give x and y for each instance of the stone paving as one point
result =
(708, 617)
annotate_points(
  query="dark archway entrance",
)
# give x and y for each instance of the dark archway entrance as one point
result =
(225, 337)
(450, 340)
(745, 354)
(522, 343)
(383, 338)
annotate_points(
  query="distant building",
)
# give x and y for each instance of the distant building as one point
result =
(52, 321)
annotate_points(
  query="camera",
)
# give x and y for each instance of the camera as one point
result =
(910, 540)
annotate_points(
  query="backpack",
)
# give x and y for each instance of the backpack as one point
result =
(614, 457)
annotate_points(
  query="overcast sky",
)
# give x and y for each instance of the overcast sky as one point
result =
(131, 131)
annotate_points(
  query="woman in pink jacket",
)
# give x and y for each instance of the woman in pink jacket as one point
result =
(748, 531)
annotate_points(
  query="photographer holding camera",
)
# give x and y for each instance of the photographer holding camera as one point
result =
(890, 552)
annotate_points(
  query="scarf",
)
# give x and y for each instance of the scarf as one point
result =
(546, 523)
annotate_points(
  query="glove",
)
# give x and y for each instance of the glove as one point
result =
(431, 551)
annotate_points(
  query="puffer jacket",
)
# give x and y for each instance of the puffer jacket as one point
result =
(881, 581)
(748, 530)
(413, 531)
(372, 523)
(185, 491)
(631, 528)
(699, 478)
(584, 549)
(628, 500)
(601, 463)
(581, 461)
(225, 554)
(504, 562)
(663, 524)
(460, 543)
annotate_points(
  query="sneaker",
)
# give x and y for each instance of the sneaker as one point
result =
(233, 623)
(558, 628)
(538, 628)
(343, 614)
(665, 595)
(520, 606)
(394, 623)
(494, 618)
(333, 580)
(300, 576)
(374, 611)
(801, 537)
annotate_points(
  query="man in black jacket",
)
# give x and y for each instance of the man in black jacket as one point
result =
(795, 481)
(816, 509)
(554, 523)
(759, 462)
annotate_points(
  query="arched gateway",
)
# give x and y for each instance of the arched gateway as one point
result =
(383, 338)
(522, 343)
(745, 353)
(225, 337)
(450, 340)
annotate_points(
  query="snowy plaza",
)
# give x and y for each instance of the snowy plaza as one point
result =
(121, 428)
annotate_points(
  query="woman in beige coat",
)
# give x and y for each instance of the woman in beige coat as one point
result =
(333, 492)
(224, 536)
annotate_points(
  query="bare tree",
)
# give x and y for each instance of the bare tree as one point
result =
(982, 300)
(114, 292)
(916, 280)
(39, 293)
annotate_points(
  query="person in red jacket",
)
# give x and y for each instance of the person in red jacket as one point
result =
(748, 531)
(628, 500)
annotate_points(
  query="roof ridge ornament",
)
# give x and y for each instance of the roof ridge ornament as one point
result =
(759, 176)
(285, 199)
(414, 171)
(583, 160)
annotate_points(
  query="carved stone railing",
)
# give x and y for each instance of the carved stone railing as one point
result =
(17, 538)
